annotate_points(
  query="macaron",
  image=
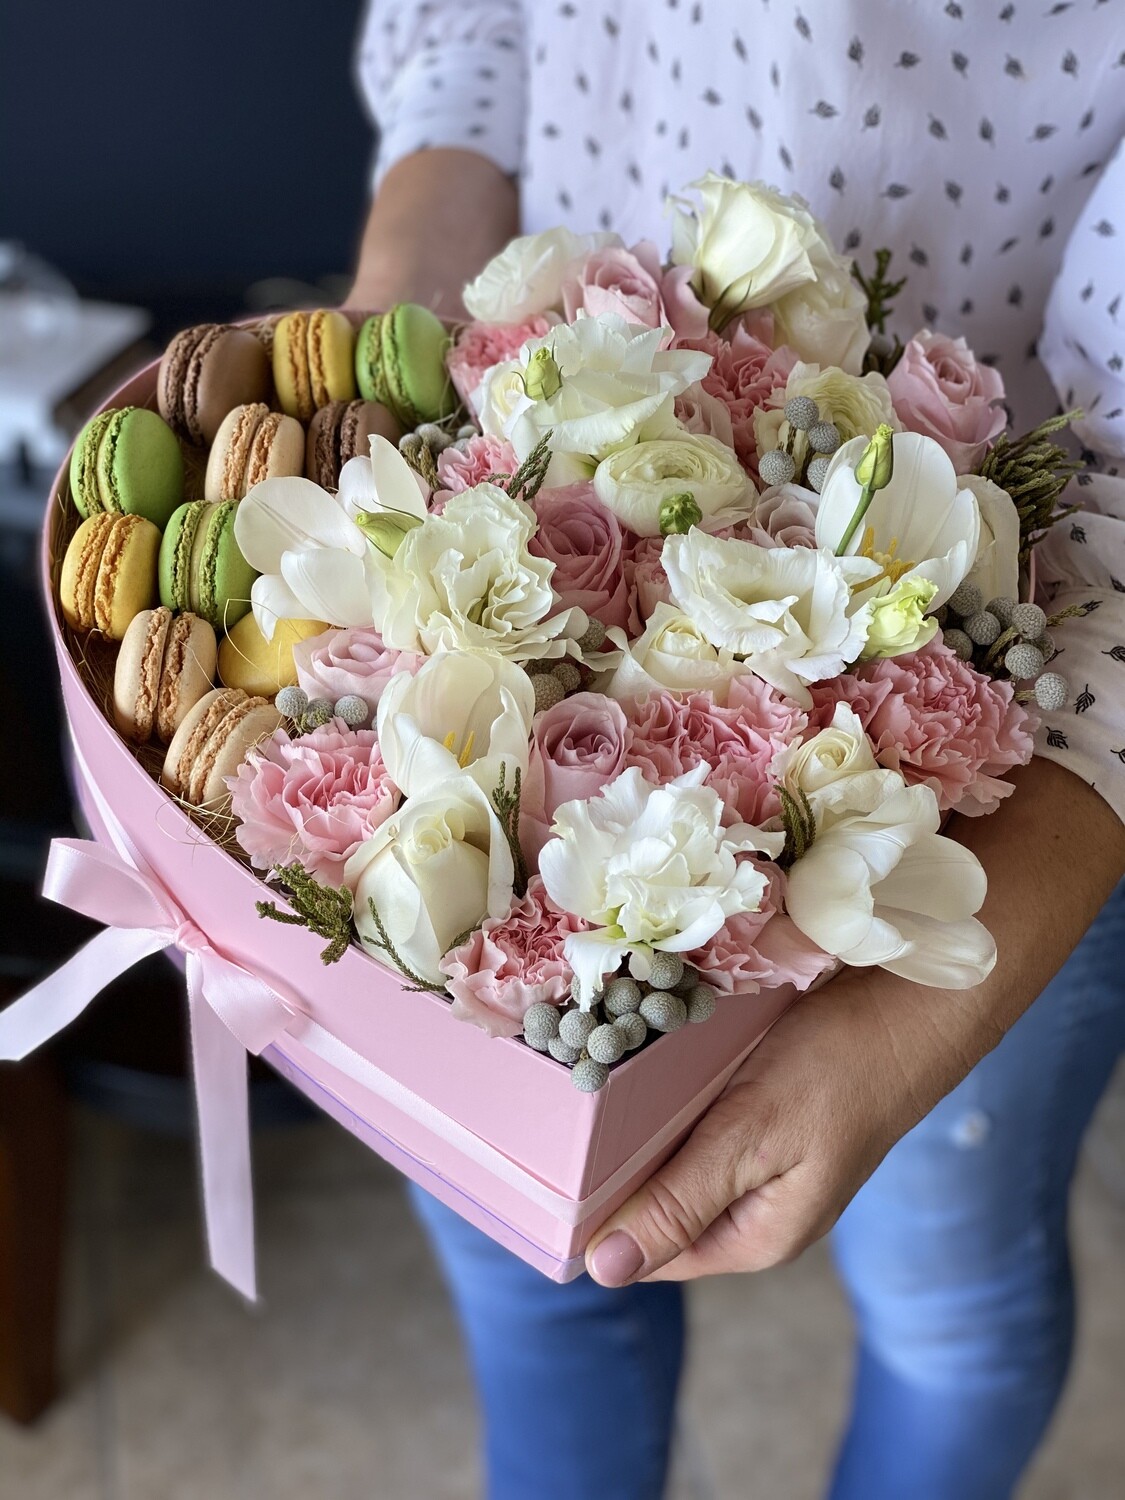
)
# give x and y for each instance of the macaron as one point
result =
(400, 361)
(201, 567)
(250, 662)
(313, 361)
(109, 573)
(165, 665)
(205, 372)
(211, 743)
(252, 444)
(127, 461)
(340, 431)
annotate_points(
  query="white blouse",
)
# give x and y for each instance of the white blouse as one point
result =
(981, 142)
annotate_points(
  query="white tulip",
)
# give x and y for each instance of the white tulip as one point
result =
(463, 710)
(635, 482)
(381, 482)
(527, 276)
(996, 568)
(434, 870)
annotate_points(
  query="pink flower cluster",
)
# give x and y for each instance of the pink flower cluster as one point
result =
(633, 285)
(744, 374)
(761, 950)
(940, 390)
(585, 542)
(479, 346)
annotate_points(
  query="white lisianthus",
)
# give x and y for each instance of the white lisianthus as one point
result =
(465, 580)
(880, 886)
(635, 482)
(748, 244)
(857, 404)
(672, 653)
(788, 612)
(826, 319)
(996, 570)
(652, 868)
(462, 711)
(899, 622)
(433, 870)
(527, 276)
(611, 384)
(924, 526)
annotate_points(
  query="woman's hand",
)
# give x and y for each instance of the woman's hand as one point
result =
(849, 1069)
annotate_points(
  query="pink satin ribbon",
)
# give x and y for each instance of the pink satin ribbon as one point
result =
(233, 1012)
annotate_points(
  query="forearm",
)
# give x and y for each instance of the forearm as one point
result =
(438, 217)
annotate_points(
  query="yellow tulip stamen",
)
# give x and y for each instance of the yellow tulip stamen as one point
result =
(466, 754)
(893, 567)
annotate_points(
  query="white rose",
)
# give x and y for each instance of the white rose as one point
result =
(635, 482)
(749, 245)
(788, 612)
(672, 653)
(463, 710)
(652, 868)
(818, 767)
(996, 568)
(465, 580)
(434, 870)
(826, 320)
(527, 276)
(857, 404)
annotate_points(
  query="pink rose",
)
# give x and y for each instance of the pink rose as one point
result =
(670, 734)
(701, 412)
(939, 390)
(633, 285)
(576, 748)
(459, 469)
(744, 373)
(313, 799)
(760, 950)
(511, 963)
(785, 517)
(936, 719)
(584, 541)
(337, 663)
(646, 579)
(479, 346)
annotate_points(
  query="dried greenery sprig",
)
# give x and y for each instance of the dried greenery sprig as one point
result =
(1034, 472)
(506, 801)
(383, 942)
(800, 826)
(880, 292)
(325, 910)
(525, 483)
(417, 454)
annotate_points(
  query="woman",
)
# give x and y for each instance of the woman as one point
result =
(975, 147)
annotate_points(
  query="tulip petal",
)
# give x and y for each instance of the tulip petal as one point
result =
(937, 878)
(271, 600)
(280, 515)
(396, 485)
(946, 955)
(332, 585)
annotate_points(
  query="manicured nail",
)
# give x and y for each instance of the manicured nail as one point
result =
(616, 1259)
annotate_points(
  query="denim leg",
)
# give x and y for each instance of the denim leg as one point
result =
(955, 1253)
(577, 1383)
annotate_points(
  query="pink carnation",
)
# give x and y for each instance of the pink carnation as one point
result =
(479, 346)
(940, 390)
(744, 373)
(936, 719)
(338, 663)
(460, 468)
(784, 517)
(511, 963)
(633, 285)
(312, 800)
(584, 541)
(577, 747)
(760, 950)
(670, 734)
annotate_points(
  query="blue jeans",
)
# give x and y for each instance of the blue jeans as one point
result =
(954, 1255)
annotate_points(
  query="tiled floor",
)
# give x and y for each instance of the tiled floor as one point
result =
(349, 1383)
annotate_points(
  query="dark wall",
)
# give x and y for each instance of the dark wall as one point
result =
(173, 151)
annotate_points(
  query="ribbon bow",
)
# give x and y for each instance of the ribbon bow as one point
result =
(233, 1012)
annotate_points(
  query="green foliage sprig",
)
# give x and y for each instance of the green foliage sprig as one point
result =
(880, 292)
(506, 801)
(1034, 471)
(323, 909)
(526, 482)
(384, 943)
(800, 826)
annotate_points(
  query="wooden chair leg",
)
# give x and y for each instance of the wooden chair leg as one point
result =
(33, 1151)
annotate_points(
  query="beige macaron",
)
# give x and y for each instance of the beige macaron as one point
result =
(252, 444)
(212, 742)
(165, 665)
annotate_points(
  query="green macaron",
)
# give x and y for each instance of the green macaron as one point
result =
(127, 462)
(201, 567)
(400, 361)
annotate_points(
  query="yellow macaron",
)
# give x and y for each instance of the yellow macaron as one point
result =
(250, 662)
(109, 573)
(313, 361)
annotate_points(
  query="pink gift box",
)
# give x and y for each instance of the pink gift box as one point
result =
(492, 1128)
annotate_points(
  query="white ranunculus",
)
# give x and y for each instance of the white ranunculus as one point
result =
(996, 569)
(635, 482)
(652, 868)
(857, 404)
(788, 612)
(616, 385)
(672, 653)
(465, 581)
(826, 319)
(749, 245)
(880, 885)
(462, 711)
(435, 869)
(924, 525)
(527, 276)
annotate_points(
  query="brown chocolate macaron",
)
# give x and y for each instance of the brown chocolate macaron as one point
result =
(343, 430)
(252, 444)
(212, 742)
(205, 372)
(165, 665)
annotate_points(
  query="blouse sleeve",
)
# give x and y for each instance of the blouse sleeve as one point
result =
(445, 73)
(1081, 564)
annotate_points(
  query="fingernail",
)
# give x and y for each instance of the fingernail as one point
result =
(616, 1259)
